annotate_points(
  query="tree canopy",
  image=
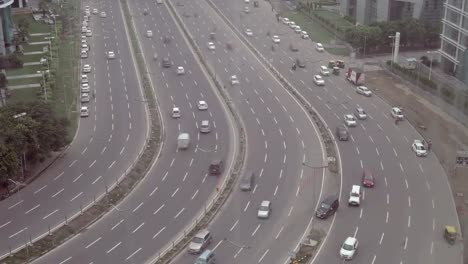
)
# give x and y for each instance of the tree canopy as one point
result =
(31, 130)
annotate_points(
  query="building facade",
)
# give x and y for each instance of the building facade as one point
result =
(454, 39)
(369, 11)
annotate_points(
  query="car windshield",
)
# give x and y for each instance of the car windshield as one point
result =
(354, 194)
(197, 240)
(347, 247)
(325, 206)
(263, 208)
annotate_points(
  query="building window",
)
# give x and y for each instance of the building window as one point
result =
(453, 17)
(449, 49)
(451, 33)
(426, 4)
(455, 3)
(436, 4)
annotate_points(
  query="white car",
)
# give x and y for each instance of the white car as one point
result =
(318, 80)
(89, 33)
(419, 148)
(95, 11)
(349, 120)
(304, 35)
(158, 1)
(246, 9)
(84, 112)
(149, 33)
(264, 210)
(84, 78)
(248, 32)
(85, 97)
(110, 55)
(298, 30)
(85, 88)
(84, 29)
(86, 8)
(397, 113)
(211, 46)
(276, 39)
(86, 68)
(348, 249)
(246, 1)
(286, 21)
(87, 13)
(85, 47)
(355, 196)
(103, 14)
(180, 70)
(84, 54)
(202, 105)
(234, 80)
(319, 47)
(175, 112)
(360, 113)
(324, 71)
(292, 24)
(363, 90)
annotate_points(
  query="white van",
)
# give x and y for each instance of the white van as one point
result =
(205, 126)
(183, 141)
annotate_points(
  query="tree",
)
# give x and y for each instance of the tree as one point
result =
(9, 165)
(3, 80)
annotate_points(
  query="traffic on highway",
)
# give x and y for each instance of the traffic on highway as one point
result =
(218, 67)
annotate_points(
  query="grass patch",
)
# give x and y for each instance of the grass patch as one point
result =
(338, 51)
(25, 70)
(33, 57)
(30, 48)
(24, 81)
(316, 32)
(333, 18)
(34, 26)
(23, 95)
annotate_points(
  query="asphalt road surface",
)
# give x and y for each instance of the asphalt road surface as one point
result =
(106, 144)
(239, 236)
(401, 220)
(178, 187)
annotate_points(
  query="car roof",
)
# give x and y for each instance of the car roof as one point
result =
(84, 107)
(265, 203)
(349, 116)
(356, 188)
(202, 233)
(350, 240)
(201, 102)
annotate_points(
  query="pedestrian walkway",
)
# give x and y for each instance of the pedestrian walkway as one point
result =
(33, 52)
(25, 76)
(32, 85)
(39, 43)
(39, 34)
(32, 63)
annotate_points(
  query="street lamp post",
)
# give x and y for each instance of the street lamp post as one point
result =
(393, 48)
(430, 67)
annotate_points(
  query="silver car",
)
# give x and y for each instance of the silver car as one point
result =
(200, 241)
(360, 113)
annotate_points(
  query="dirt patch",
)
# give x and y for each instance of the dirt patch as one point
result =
(446, 134)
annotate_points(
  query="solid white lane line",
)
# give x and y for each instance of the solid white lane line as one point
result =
(278, 234)
(92, 243)
(159, 232)
(234, 225)
(40, 189)
(381, 238)
(246, 206)
(32, 209)
(57, 193)
(136, 208)
(256, 229)
(264, 254)
(47, 216)
(194, 195)
(78, 195)
(177, 215)
(19, 232)
(136, 229)
(159, 209)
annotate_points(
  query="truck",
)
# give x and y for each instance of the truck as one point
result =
(355, 75)
(183, 141)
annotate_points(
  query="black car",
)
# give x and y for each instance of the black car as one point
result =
(342, 133)
(327, 207)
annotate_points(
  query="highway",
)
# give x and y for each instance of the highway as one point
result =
(106, 144)
(274, 116)
(178, 185)
(400, 220)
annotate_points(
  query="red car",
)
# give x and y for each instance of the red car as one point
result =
(368, 179)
